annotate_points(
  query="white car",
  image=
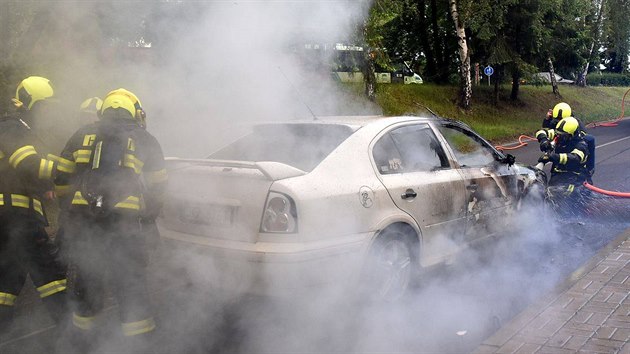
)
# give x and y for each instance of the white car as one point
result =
(313, 202)
(546, 77)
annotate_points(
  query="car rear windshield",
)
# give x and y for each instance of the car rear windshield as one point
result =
(302, 146)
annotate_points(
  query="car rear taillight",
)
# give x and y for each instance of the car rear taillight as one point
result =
(280, 215)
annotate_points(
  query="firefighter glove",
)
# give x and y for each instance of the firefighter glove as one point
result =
(545, 146)
(552, 157)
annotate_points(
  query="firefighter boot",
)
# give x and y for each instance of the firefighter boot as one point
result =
(79, 335)
(141, 343)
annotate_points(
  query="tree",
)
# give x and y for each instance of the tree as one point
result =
(381, 13)
(497, 27)
(595, 29)
(617, 36)
(565, 38)
(465, 95)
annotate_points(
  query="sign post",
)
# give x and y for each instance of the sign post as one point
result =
(488, 70)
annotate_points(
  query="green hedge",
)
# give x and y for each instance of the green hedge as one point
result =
(608, 79)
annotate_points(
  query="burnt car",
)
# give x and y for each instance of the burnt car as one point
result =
(340, 199)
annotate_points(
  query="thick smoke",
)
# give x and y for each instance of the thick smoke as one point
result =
(237, 65)
(231, 64)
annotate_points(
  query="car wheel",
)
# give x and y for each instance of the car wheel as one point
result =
(390, 265)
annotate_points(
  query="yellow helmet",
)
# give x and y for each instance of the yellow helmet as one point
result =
(568, 125)
(91, 105)
(561, 110)
(121, 98)
(31, 90)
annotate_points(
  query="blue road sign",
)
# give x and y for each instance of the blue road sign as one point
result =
(488, 70)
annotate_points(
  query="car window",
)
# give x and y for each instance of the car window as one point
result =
(386, 156)
(469, 151)
(299, 145)
(411, 148)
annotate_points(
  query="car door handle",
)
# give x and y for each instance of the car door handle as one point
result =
(409, 194)
(472, 187)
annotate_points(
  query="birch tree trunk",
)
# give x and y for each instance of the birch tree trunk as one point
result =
(581, 81)
(552, 77)
(369, 77)
(465, 96)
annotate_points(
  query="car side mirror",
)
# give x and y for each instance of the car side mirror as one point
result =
(509, 159)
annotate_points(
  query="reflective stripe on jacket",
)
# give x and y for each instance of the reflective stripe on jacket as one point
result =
(21, 201)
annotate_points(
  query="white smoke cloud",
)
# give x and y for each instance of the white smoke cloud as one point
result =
(237, 64)
(226, 68)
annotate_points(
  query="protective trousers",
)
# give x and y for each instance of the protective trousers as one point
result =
(25, 248)
(110, 252)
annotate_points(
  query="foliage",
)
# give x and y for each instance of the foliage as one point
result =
(517, 37)
(381, 15)
(567, 34)
(609, 79)
(422, 34)
(617, 32)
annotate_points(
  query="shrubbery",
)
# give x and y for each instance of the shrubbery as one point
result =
(608, 79)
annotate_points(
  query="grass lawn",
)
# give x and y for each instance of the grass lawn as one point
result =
(508, 119)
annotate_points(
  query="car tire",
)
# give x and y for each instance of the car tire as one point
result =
(391, 264)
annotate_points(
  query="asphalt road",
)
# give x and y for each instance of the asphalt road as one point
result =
(450, 310)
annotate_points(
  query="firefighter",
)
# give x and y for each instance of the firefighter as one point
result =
(25, 177)
(568, 157)
(87, 114)
(106, 240)
(563, 110)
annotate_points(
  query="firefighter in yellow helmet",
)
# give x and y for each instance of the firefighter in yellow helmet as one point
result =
(119, 181)
(560, 111)
(568, 157)
(26, 175)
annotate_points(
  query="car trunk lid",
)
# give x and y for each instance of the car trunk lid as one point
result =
(219, 198)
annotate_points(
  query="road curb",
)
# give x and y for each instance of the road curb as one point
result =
(520, 321)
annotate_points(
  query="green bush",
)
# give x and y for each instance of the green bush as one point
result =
(608, 79)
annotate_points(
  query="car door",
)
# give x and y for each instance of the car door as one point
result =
(490, 183)
(413, 166)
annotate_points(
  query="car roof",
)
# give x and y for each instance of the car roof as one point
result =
(357, 122)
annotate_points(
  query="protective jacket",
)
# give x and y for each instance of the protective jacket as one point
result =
(25, 248)
(569, 158)
(551, 123)
(143, 156)
(26, 173)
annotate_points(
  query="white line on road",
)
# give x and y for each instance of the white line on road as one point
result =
(612, 142)
(27, 335)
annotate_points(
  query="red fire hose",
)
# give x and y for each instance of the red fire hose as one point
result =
(612, 123)
(605, 192)
(521, 143)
